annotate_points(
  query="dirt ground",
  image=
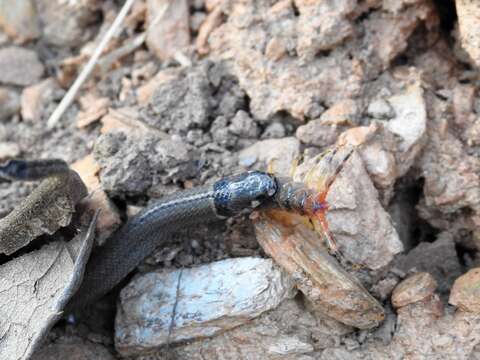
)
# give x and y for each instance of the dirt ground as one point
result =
(186, 94)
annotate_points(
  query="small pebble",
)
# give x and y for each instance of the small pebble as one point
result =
(380, 109)
(275, 130)
(413, 289)
(465, 293)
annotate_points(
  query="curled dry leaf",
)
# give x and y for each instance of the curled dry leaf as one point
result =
(35, 288)
(49, 207)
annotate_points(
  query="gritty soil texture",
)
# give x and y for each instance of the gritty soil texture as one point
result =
(248, 82)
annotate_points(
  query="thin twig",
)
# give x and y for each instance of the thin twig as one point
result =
(72, 92)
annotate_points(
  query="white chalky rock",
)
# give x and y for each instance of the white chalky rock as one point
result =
(211, 298)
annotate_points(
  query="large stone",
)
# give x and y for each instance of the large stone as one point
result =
(207, 300)
(414, 288)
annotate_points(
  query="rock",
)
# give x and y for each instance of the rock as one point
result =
(134, 163)
(196, 20)
(380, 109)
(292, 332)
(389, 149)
(65, 23)
(145, 92)
(275, 130)
(415, 288)
(463, 97)
(19, 66)
(182, 103)
(19, 20)
(212, 21)
(362, 228)
(277, 154)
(468, 13)
(451, 177)
(409, 124)
(345, 112)
(109, 217)
(8, 150)
(9, 103)
(294, 37)
(73, 348)
(322, 26)
(127, 120)
(36, 97)
(465, 292)
(212, 298)
(388, 33)
(439, 259)
(318, 133)
(244, 126)
(93, 108)
(168, 31)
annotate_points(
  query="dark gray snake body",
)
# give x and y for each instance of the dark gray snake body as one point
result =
(153, 226)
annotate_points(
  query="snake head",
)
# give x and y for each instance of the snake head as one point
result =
(245, 191)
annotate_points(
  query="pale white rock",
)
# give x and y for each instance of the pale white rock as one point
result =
(410, 121)
(212, 298)
(278, 155)
(380, 109)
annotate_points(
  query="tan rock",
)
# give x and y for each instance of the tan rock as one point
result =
(35, 97)
(19, 20)
(465, 293)
(167, 33)
(468, 13)
(463, 96)
(344, 112)
(414, 288)
(109, 218)
(93, 108)
(278, 85)
(127, 120)
(213, 20)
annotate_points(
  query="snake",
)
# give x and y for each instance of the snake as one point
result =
(153, 226)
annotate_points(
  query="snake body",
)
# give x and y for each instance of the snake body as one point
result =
(133, 242)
